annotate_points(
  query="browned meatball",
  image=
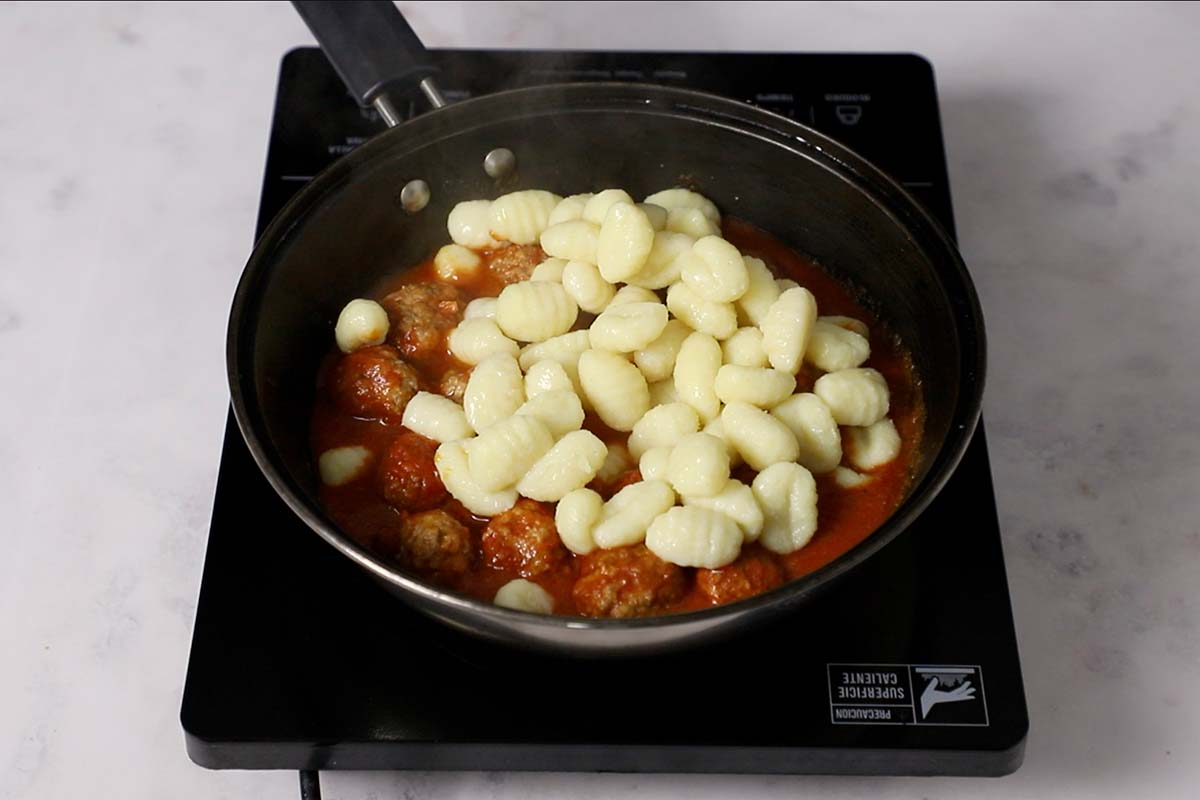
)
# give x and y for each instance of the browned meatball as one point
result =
(434, 541)
(753, 573)
(626, 582)
(454, 384)
(420, 314)
(374, 382)
(408, 478)
(523, 539)
(515, 262)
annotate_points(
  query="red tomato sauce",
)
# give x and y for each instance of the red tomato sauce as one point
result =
(846, 516)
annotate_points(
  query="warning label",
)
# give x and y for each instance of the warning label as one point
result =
(906, 694)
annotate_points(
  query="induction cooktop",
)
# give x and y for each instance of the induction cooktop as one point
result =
(300, 661)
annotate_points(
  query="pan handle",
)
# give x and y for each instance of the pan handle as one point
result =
(374, 50)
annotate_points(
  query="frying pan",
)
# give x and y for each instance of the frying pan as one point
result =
(348, 227)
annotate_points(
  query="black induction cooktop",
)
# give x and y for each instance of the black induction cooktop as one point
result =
(908, 666)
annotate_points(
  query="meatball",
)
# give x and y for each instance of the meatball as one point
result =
(434, 541)
(375, 383)
(408, 478)
(420, 314)
(454, 384)
(626, 582)
(753, 573)
(523, 539)
(515, 262)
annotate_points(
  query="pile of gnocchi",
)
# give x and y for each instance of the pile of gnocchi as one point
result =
(644, 316)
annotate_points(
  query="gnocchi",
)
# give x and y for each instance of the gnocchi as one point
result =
(816, 431)
(662, 426)
(630, 511)
(560, 411)
(502, 454)
(787, 494)
(832, 348)
(524, 595)
(628, 327)
(362, 323)
(654, 462)
(587, 286)
(787, 326)
(696, 369)
(856, 396)
(714, 269)
(624, 243)
(470, 225)
(874, 445)
(744, 348)
(547, 376)
(568, 209)
(495, 390)
(549, 270)
(476, 339)
(685, 198)
(480, 308)
(663, 392)
(761, 292)
(599, 204)
(692, 536)
(534, 311)
(718, 320)
(698, 466)
(454, 262)
(615, 388)
(632, 294)
(575, 240)
(453, 468)
(575, 516)
(691, 221)
(757, 386)
(656, 214)
(662, 267)
(568, 465)
(762, 440)
(657, 359)
(436, 417)
(341, 465)
(736, 500)
(520, 217)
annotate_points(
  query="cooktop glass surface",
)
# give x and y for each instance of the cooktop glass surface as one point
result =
(907, 666)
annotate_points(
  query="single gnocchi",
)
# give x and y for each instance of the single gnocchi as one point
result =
(480, 308)
(534, 311)
(662, 426)
(341, 465)
(698, 466)
(629, 327)
(587, 286)
(470, 225)
(787, 494)
(856, 397)
(761, 292)
(520, 217)
(575, 240)
(575, 516)
(762, 440)
(615, 388)
(568, 465)
(495, 390)
(569, 208)
(550, 270)
(436, 417)
(505, 451)
(657, 359)
(832, 347)
(654, 462)
(757, 386)
(477, 339)
(453, 468)
(718, 320)
(736, 500)
(715, 270)
(632, 294)
(560, 411)
(630, 511)
(691, 221)
(787, 326)
(547, 376)
(625, 240)
(362, 323)
(662, 267)
(815, 429)
(744, 348)
(454, 263)
(685, 198)
(696, 369)
(693, 536)
(524, 595)
(599, 204)
(873, 446)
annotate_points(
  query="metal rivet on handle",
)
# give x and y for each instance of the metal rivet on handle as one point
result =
(414, 196)
(499, 163)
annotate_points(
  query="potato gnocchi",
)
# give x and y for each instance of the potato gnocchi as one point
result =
(638, 384)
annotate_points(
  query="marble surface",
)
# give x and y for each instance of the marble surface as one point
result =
(132, 140)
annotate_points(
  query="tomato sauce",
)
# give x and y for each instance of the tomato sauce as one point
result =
(846, 516)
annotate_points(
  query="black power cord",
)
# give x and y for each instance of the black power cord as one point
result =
(310, 784)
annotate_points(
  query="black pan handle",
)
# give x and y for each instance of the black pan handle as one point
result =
(376, 53)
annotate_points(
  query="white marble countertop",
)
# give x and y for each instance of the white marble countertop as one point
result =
(132, 139)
